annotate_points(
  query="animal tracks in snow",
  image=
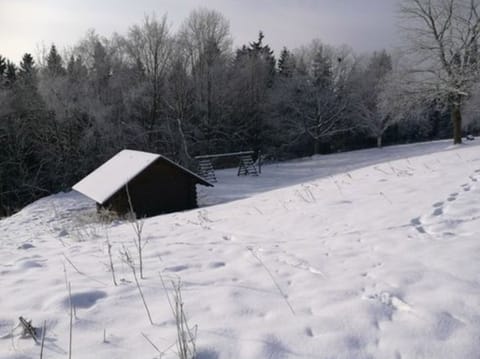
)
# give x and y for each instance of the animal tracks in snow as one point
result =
(452, 197)
(437, 212)
(294, 261)
(445, 218)
(385, 304)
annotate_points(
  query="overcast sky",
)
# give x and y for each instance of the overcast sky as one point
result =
(365, 25)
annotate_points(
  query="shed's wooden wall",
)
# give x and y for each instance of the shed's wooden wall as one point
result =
(161, 188)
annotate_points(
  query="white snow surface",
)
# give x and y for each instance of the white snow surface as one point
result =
(366, 254)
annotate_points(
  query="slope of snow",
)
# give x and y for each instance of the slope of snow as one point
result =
(367, 254)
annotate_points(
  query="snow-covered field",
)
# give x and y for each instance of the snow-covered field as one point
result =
(367, 254)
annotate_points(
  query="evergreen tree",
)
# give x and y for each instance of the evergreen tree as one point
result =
(27, 100)
(101, 71)
(10, 74)
(3, 67)
(254, 73)
(286, 63)
(264, 54)
(55, 63)
(27, 72)
(76, 70)
(23, 136)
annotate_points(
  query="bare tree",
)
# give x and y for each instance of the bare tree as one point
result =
(179, 102)
(443, 40)
(372, 83)
(204, 35)
(205, 40)
(471, 113)
(150, 46)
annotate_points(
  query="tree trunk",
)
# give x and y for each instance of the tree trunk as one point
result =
(379, 141)
(316, 146)
(457, 124)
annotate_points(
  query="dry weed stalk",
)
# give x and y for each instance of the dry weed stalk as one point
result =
(186, 336)
(129, 261)
(282, 293)
(70, 341)
(137, 225)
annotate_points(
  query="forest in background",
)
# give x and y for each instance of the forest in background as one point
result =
(191, 93)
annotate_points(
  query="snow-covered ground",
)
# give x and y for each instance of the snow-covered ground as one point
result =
(367, 254)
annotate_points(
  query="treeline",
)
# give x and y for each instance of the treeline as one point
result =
(189, 93)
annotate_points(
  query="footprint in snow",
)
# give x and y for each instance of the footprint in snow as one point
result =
(354, 342)
(395, 302)
(438, 204)
(26, 246)
(466, 189)
(178, 268)
(445, 325)
(274, 348)
(84, 300)
(437, 212)
(421, 230)
(30, 262)
(217, 264)
(415, 221)
(207, 353)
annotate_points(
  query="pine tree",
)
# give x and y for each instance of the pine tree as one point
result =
(55, 63)
(27, 72)
(286, 63)
(10, 74)
(26, 132)
(101, 71)
(76, 70)
(3, 66)
(264, 54)
(3, 71)
(254, 74)
(27, 99)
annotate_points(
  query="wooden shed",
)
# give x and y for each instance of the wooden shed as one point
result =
(155, 184)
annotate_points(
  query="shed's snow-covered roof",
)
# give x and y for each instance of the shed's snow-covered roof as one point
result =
(107, 179)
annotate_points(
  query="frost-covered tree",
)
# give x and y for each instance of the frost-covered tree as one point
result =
(443, 40)
(313, 103)
(3, 69)
(253, 73)
(54, 63)
(205, 40)
(150, 46)
(375, 115)
(286, 63)
(10, 73)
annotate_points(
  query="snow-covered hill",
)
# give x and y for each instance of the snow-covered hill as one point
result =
(367, 254)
